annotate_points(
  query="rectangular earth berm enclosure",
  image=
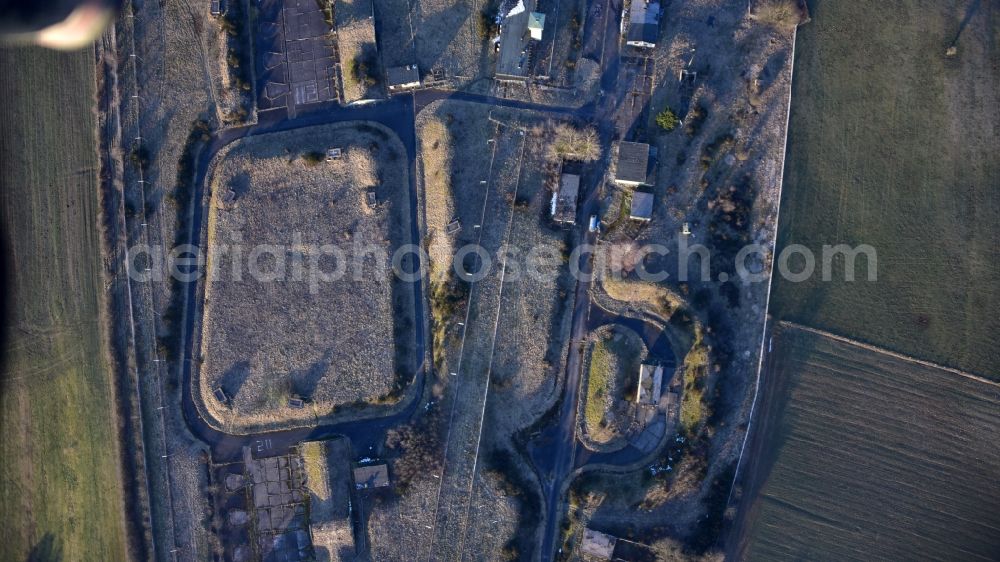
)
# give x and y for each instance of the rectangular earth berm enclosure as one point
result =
(301, 303)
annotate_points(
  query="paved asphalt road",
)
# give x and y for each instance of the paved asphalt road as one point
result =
(562, 451)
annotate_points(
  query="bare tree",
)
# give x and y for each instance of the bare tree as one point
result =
(571, 143)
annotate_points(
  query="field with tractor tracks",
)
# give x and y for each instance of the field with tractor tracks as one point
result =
(60, 483)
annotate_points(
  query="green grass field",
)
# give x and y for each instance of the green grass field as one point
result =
(60, 488)
(869, 456)
(893, 144)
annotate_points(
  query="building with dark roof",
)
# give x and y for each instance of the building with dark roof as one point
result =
(564, 200)
(643, 23)
(632, 164)
(402, 77)
(642, 206)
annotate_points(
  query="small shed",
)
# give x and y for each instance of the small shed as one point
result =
(374, 476)
(650, 384)
(536, 25)
(642, 206)
(220, 395)
(564, 201)
(598, 544)
(402, 77)
(632, 166)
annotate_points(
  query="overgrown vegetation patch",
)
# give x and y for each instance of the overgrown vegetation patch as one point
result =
(614, 360)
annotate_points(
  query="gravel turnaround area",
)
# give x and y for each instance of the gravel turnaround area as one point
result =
(330, 342)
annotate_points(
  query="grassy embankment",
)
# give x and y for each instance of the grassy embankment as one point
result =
(893, 144)
(600, 379)
(60, 484)
(686, 334)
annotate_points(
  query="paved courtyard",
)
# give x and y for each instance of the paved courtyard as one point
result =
(298, 55)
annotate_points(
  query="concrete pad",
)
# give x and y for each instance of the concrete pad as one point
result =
(260, 496)
(234, 482)
(263, 520)
(238, 518)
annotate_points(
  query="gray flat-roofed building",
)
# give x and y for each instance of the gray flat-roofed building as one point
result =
(515, 41)
(402, 77)
(642, 206)
(644, 23)
(633, 163)
(564, 201)
(650, 383)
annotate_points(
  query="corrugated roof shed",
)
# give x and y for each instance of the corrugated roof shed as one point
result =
(642, 206)
(633, 162)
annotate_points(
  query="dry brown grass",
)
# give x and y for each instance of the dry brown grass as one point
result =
(314, 462)
(328, 481)
(513, 342)
(356, 41)
(355, 26)
(329, 342)
(436, 157)
(781, 13)
(227, 100)
(447, 37)
(658, 298)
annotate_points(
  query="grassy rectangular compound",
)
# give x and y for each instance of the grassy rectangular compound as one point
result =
(330, 339)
